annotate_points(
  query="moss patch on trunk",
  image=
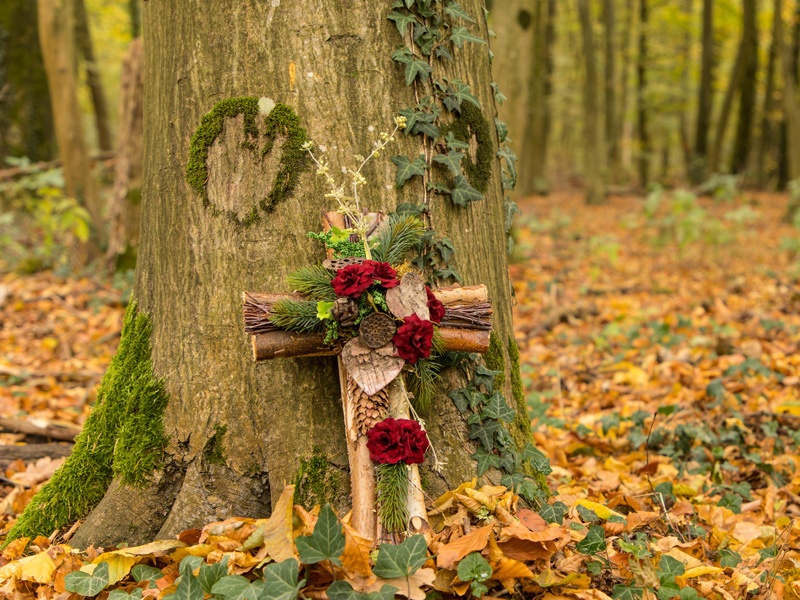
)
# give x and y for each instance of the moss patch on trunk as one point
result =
(316, 480)
(469, 123)
(123, 437)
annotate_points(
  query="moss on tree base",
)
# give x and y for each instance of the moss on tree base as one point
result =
(123, 437)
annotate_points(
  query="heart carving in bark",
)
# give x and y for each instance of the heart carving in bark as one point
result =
(372, 370)
(409, 298)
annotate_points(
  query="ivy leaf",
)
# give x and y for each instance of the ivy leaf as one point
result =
(463, 193)
(669, 568)
(146, 573)
(280, 580)
(460, 398)
(485, 433)
(136, 594)
(446, 249)
(553, 513)
(497, 409)
(342, 590)
(484, 377)
(454, 10)
(502, 130)
(189, 587)
(402, 20)
(327, 541)
(446, 275)
(626, 592)
(459, 35)
(594, 542)
(429, 129)
(417, 67)
(473, 567)
(452, 160)
(729, 558)
(499, 97)
(537, 459)
(85, 584)
(402, 55)
(511, 163)
(453, 143)
(211, 574)
(486, 460)
(460, 92)
(442, 52)
(402, 560)
(236, 587)
(407, 169)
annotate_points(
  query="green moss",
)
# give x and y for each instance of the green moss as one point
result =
(317, 482)
(281, 121)
(214, 451)
(472, 122)
(496, 360)
(123, 437)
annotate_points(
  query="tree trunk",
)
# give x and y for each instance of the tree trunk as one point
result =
(641, 97)
(767, 145)
(747, 95)
(83, 39)
(791, 106)
(725, 113)
(624, 126)
(705, 101)
(612, 141)
(124, 207)
(236, 432)
(26, 122)
(56, 31)
(593, 157)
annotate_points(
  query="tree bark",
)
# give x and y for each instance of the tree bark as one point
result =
(705, 101)
(767, 145)
(26, 121)
(612, 141)
(747, 91)
(593, 157)
(641, 97)
(83, 39)
(279, 414)
(791, 106)
(124, 206)
(56, 28)
(725, 113)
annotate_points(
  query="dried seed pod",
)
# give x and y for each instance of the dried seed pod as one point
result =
(345, 311)
(334, 264)
(369, 410)
(377, 329)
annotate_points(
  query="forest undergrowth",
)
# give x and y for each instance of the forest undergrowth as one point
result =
(659, 343)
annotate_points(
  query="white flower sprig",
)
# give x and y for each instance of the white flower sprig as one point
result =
(350, 205)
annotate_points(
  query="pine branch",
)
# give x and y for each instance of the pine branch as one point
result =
(422, 383)
(393, 496)
(394, 240)
(296, 315)
(314, 282)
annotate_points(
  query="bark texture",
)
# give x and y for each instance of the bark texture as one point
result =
(705, 94)
(747, 91)
(239, 432)
(593, 160)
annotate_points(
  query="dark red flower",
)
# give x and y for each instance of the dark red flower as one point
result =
(414, 339)
(383, 272)
(435, 306)
(395, 440)
(353, 280)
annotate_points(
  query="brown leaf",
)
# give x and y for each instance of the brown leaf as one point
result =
(451, 553)
(410, 587)
(409, 298)
(357, 548)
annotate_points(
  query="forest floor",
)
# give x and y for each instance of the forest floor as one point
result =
(660, 354)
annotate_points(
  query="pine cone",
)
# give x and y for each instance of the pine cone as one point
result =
(345, 311)
(369, 410)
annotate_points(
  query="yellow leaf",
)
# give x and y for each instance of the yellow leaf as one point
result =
(701, 570)
(278, 537)
(38, 568)
(152, 549)
(792, 407)
(201, 550)
(601, 511)
(118, 565)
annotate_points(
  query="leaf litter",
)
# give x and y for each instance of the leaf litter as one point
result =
(663, 386)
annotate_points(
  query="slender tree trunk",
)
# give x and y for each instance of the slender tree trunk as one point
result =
(683, 117)
(26, 121)
(83, 39)
(135, 12)
(769, 131)
(791, 105)
(641, 97)
(124, 206)
(611, 109)
(593, 157)
(238, 432)
(705, 102)
(624, 126)
(56, 29)
(725, 113)
(748, 80)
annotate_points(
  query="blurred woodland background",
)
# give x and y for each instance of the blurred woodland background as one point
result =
(604, 96)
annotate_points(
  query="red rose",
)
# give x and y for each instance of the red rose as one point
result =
(435, 306)
(395, 440)
(413, 339)
(353, 280)
(415, 442)
(383, 272)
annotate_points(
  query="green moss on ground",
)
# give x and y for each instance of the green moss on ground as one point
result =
(316, 480)
(281, 121)
(472, 122)
(123, 437)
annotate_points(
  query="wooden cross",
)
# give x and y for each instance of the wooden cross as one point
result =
(466, 327)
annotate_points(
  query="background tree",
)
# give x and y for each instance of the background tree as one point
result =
(234, 432)
(641, 95)
(705, 94)
(747, 90)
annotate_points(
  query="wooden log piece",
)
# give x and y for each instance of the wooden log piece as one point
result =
(471, 294)
(288, 344)
(465, 340)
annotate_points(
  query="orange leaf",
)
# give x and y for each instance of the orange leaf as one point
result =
(451, 553)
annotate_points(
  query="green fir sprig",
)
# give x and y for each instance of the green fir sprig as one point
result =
(397, 238)
(296, 315)
(422, 382)
(392, 482)
(314, 282)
